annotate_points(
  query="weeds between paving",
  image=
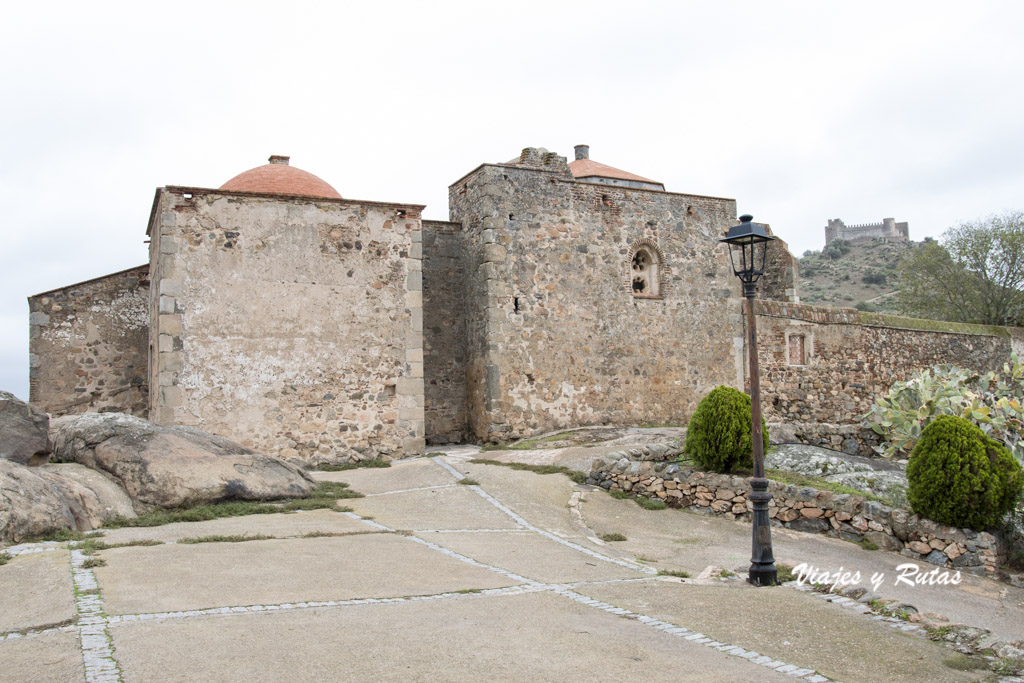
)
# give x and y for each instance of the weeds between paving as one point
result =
(323, 497)
(578, 477)
(376, 462)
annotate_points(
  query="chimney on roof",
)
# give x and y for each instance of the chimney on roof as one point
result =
(582, 152)
(278, 159)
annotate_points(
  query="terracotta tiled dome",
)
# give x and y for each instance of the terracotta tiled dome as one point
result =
(278, 177)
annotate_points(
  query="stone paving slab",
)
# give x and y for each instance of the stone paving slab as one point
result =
(35, 590)
(790, 626)
(532, 637)
(401, 476)
(279, 525)
(49, 657)
(455, 507)
(532, 556)
(183, 577)
(680, 539)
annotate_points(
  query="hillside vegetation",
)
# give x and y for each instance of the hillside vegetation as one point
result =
(862, 275)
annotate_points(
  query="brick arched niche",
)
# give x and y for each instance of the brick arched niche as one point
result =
(646, 270)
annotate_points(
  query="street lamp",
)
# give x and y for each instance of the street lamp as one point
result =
(748, 248)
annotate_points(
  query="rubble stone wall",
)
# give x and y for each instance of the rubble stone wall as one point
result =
(444, 332)
(557, 336)
(646, 472)
(88, 345)
(828, 365)
(289, 324)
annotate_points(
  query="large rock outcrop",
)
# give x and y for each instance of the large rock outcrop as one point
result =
(24, 431)
(37, 500)
(172, 466)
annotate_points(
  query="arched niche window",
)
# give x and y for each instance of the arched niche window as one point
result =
(645, 270)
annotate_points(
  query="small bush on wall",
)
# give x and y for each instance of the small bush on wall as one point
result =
(718, 437)
(960, 477)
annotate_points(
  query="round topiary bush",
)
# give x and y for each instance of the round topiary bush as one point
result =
(718, 437)
(959, 476)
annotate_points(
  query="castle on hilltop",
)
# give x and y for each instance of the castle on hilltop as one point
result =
(888, 229)
(276, 312)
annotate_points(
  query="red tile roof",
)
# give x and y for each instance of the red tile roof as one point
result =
(587, 168)
(280, 178)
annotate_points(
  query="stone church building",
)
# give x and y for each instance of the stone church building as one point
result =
(277, 313)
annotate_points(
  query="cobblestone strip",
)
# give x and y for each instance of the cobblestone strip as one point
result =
(318, 604)
(421, 488)
(526, 525)
(860, 608)
(29, 633)
(28, 548)
(696, 638)
(97, 651)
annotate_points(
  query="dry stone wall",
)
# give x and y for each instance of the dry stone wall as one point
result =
(645, 472)
(826, 365)
(444, 332)
(292, 325)
(556, 334)
(88, 345)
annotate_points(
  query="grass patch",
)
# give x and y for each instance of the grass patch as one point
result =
(94, 562)
(823, 485)
(651, 503)
(466, 481)
(322, 534)
(376, 462)
(673, 572)
(645, 559)
(618, 494)
(323, 497)
(5, 558)
(961, 662)
(528, 445)
(867, 545)
(220, 538)
(61, 535)
(469, 591)
(785, 573)
(726, 574)
(578, 477)
(612, 538)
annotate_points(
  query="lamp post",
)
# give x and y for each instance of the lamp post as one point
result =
(748, 248)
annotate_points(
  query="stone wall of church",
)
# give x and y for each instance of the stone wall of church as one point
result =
(88, 345)
(827, 365)
(557, 336)
(444, 332)
(292, 325)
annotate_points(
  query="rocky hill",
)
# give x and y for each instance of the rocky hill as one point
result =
(853, 275)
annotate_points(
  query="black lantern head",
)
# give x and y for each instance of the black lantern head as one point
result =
(748, 248)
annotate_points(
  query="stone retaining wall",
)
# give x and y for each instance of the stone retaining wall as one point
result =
(648, 472)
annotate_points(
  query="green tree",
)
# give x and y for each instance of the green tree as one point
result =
(974, 275)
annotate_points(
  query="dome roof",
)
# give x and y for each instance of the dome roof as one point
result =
(278, 177)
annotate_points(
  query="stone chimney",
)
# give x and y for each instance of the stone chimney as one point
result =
(278, 159)
(582, 152)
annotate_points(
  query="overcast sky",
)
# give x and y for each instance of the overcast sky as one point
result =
(801, 111)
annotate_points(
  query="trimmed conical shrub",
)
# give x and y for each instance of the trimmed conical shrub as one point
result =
(718, 437)
(960, 477)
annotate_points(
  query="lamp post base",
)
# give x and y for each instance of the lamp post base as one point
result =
(762, 562)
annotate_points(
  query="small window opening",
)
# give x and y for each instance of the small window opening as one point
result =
(511, 217)
(187, 195)
(515, 304)
(644, 274)
(797, 350)
(605, 201)
(401, 213)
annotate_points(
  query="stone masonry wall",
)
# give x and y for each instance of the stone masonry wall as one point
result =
(289, 324)
(556, 336)
(444, 332)
(645, 472)
(827, 365)
(88, 345)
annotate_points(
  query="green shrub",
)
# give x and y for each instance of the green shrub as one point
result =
(960, 477)
(718, 437)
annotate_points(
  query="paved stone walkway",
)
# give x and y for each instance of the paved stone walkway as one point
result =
(432, 577)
